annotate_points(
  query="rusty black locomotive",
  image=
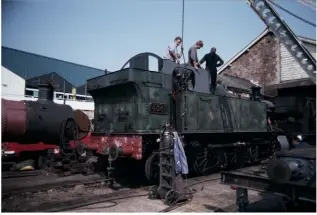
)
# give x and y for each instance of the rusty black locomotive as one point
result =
(219, 130)
(42, 121)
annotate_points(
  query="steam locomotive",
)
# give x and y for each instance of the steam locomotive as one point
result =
(219, 131)
(41, 124)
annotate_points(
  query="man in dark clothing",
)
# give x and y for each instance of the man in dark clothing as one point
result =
(192, 54)
(212, 60)
(297, 142)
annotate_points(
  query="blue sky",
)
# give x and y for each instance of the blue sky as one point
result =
(106, 33)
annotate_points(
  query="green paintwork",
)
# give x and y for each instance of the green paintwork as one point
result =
(123, 98)
(210, 113)
(122, 101)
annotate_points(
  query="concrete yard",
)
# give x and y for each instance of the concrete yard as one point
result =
(210, 196)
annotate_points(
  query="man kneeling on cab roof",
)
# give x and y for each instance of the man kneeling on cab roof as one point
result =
(171, 51)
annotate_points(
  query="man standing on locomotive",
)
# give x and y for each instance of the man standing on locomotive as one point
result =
(171, 51)
(192, 54)
(212, 60)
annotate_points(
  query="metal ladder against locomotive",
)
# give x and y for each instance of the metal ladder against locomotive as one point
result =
(166, 166)
(283, 32)
(171, 186)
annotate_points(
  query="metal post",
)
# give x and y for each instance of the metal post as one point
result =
(64, 93)
(86, 90)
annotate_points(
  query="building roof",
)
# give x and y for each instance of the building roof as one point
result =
(58, 81)
(252, 43)
(294, 83)
(236, 83)
(307, 40)
(28, 65)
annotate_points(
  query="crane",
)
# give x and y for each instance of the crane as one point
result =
(283, 32)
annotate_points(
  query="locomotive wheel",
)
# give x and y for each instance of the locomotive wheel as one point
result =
(237, 161)
(171, 198)
(152, 167)
(192, 149)
(205, 164)
(254, 155)
(153, 192)
(90, 165)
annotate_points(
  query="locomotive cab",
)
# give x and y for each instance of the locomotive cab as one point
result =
(131, 100)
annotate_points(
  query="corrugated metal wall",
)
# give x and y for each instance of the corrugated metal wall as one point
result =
(28, 65)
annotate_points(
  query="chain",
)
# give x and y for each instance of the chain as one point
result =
(183, 18)
(183, 22)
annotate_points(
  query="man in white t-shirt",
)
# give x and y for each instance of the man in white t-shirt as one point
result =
(171, 52)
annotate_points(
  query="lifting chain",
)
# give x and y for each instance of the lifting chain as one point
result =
(183, 22)
(183, 18)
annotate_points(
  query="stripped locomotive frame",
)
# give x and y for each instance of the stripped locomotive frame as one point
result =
(219, 131)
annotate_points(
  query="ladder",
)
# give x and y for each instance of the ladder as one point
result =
(282, 31)
(167, 171)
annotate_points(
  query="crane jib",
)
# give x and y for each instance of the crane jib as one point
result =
(283, 32)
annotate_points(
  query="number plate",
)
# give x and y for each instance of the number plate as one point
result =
(160, 109)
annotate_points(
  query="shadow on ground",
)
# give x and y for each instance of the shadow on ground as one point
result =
(268, 203)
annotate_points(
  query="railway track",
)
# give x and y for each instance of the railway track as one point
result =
(13, 174)
(91, 200)
(44, 187)
(110, 197)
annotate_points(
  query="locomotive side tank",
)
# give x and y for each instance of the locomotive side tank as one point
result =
(37, 121)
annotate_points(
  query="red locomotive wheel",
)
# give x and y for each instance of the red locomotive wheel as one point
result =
(83, 123)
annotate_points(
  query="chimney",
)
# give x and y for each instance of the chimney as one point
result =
(46, 92)
(106, 71)
(256, 93)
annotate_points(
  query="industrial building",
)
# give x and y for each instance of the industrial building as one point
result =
(11, 84)
(22, 71)
(28, 65)
(267, 62)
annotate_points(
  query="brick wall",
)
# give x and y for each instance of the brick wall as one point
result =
(260, 63)
(290, 69)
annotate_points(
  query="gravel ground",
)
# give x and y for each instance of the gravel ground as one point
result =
(15, 203)
(209, 197)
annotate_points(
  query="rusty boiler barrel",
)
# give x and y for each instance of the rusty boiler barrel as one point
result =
(35, 121)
